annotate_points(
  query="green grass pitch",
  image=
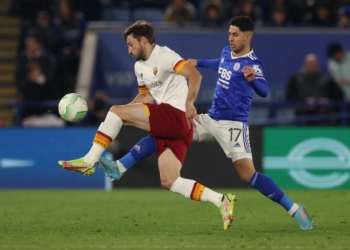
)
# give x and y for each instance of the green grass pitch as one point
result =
(158, 219)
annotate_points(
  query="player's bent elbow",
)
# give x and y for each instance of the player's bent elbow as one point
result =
(263, 93)
(200, 77)
(197, 77)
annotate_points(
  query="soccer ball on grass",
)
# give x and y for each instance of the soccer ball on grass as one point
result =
(72, 107)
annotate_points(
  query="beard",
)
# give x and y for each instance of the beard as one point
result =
(239, 49)
(141, 55)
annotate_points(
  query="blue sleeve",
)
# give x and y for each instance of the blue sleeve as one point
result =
(260, 86)
(209, 64)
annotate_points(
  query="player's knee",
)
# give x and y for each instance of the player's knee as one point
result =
(246, 176)
(120, 111)
(115, 109)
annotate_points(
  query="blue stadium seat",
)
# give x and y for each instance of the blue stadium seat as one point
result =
(116, 14)
(148, 14)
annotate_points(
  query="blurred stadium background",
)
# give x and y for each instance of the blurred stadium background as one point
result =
(77, 46)
(52, 47)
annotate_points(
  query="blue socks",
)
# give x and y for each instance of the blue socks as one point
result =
(268, 187)
(144, 148)
(147, 146)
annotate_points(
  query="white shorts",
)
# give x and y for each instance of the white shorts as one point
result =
(232, 136)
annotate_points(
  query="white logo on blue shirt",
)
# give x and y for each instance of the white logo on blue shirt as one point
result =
(250, 55)
(258, 70)
(236, 66)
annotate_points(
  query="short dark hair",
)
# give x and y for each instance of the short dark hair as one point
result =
(244, 23)
(141, 28)
(334, 48)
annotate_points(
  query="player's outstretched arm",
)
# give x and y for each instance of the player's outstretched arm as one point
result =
(212, 64)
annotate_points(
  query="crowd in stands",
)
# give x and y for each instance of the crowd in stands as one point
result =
(48, 54)
(315, 89)
(216, 13)
(52, 33)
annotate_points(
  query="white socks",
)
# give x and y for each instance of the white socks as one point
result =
(212, 196)
(107, 131)
(121, 167)
(196, 191)
(183, 186)
(94, 153)
(293, 209)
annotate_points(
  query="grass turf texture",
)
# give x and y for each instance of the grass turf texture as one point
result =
(158, 219)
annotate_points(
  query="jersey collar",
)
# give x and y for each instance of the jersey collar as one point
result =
(154, 52)
(235, 57)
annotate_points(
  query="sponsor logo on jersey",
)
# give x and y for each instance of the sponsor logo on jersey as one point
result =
(236, 66)
(224, 73)
(258, 70)
(155, 70)
(155, 84)
(237, 145)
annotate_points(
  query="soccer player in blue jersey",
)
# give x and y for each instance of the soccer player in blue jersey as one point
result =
(240, 76)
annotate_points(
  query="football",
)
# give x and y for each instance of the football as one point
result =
(72, 107)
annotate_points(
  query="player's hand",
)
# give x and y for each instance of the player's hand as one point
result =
(249, 73)
(193, 62)
(191, 113)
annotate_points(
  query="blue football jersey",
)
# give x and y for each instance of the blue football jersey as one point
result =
(233, 93)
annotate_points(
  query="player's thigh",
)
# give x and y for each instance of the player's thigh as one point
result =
(168, 122)
(169, 168)
(133, 115)
(201, 131)
(233, 138)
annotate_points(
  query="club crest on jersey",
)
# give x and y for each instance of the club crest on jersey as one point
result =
(236, 66)
(258, 70)
(155, 70)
